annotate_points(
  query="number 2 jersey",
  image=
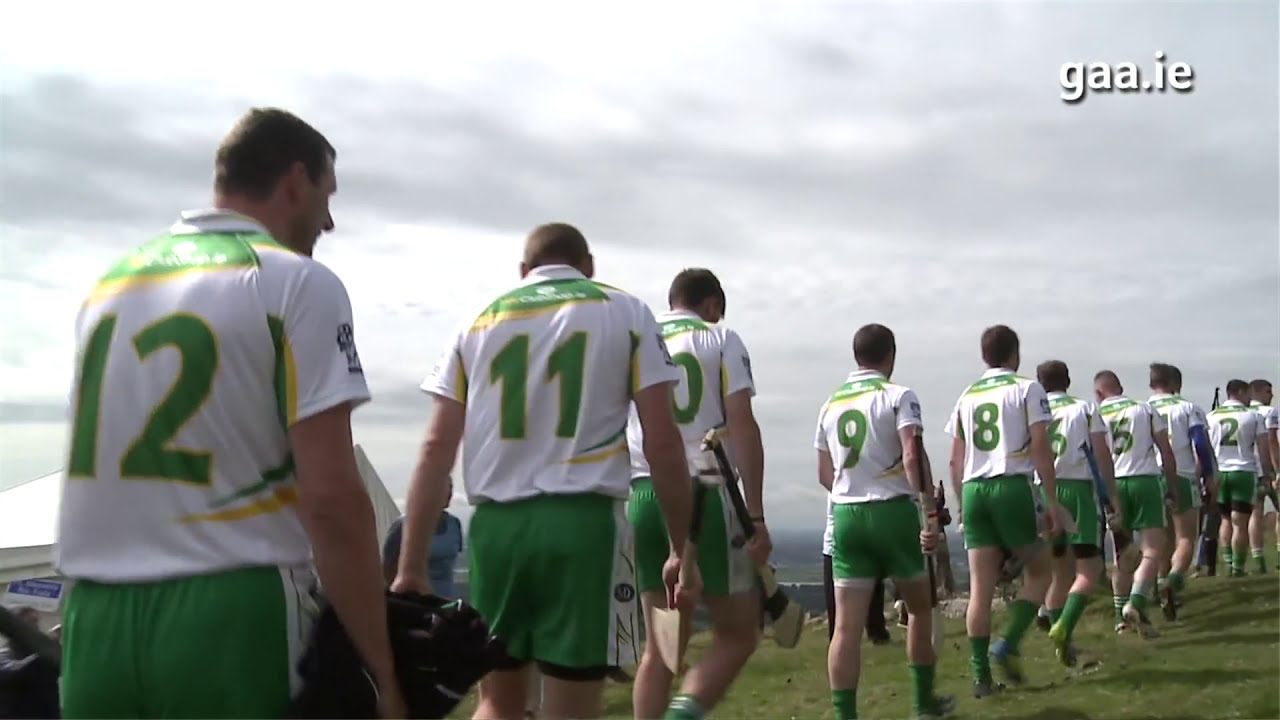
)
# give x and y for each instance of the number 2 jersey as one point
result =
(714, 365)
(194, 355)
(994, 417)
(547, 373)
(858, 427)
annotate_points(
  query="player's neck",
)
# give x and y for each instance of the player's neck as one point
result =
(868, 369)
(260, 213)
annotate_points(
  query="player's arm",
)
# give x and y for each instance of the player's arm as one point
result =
(956, 463)
(323, 383)
(428, 492)
(1038, 419)
(654, 375)
(1205, 461)
(1264, 454)
(907, 417)
(1102, 456)
(391, 551)
(826, 467)
(747, 446)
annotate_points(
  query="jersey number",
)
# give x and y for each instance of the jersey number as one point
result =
(1121, 437)
(511, 367)
(851, 432)
(986, 428)
(150, 455)
(1057, 442)
(693, 379)
(1230, 427)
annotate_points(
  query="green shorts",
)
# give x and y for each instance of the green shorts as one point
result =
(1079, 498)
(875, 540)
(999, 512)
(552, 575)
(1142, 502)
(1188, 494)
(1237, 487)
(224, 645)
(726, 569)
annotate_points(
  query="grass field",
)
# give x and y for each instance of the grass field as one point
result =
(1221, 659)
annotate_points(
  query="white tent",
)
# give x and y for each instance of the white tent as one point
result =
(29, 517)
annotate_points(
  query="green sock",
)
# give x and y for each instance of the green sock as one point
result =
(1160, 583)
(1237, 561)
(1119, 601)
(684, 707)
(979, 663)
(922, 688)
(845, 703)
(1073, 610)
(1054, 614)
(1138, 598)
(1230, 558)
(1177, 581)
(1259, 560)
(1021, 614)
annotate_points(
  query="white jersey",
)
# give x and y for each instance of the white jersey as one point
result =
(1074, 421)
(994, 417)
(195, 354)
(1269, 418)
(858, 427)
(1133, 426)
(714, 365)
(1235, 431)
(547, 373)
(1180, 415)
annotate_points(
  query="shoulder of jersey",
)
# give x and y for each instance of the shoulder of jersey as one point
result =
(534, 299)
(1067, 401)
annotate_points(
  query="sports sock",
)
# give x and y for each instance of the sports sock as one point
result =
(1177, 581)
(1054, 614)
(1021, 614)
(1160, 583)
(1074, 608)
(979, 663)
(1119, 601)
(686, 707)
(1138, 598)
(845, 703)
(1229, 557)
(1237, 562)
(1259, 560)
(922, 689)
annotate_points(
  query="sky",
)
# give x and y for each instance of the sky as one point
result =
(835, 163)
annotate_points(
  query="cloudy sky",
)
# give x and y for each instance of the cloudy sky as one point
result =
(834, 163)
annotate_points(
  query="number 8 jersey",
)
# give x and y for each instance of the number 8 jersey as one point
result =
(195, 354)
(994, 417)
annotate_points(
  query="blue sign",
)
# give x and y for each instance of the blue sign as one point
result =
(51, 589)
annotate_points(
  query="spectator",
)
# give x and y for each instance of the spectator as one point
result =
(28, 682)
(445, 548)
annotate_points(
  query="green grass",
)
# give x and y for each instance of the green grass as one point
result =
(1221, 659)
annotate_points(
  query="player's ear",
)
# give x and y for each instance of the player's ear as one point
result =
(589, 266)
(524, 269)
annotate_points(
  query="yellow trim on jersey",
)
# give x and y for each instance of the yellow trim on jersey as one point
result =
(116, 286)
(275, 502)
(290, 380)
(489, 320)
(461, 379)
(601, 456)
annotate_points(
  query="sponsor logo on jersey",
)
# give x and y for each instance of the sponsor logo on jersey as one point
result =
(666, 354)
(746, 363)
(347, 346)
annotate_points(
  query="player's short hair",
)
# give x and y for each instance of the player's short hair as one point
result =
(873, 344)
(261, 148)
(693, 286)
(1260, 385)
(1236, 387)
(555, 244)
(1053, 376)
(1165, 376)
(999, 344)
(1108, 378)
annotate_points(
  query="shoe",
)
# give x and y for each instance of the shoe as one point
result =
(1062, 646)
(1008, 662)
(880, 639)
(985, 688)
(943, 706)
(1139, 620)
(1043, 622)
(1123, 627)
(1168, 603)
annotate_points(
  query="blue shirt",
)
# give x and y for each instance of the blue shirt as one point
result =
(445, 548)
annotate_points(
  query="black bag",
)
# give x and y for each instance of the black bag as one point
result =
(441, 649)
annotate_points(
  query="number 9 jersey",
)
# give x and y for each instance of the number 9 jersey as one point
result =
(195, 354)
(858, 427)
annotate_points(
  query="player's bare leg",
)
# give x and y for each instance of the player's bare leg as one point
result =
(503, 694)
(1225, 534)
(844, 655)
(569, 699)
(923, 660)
(984, 574)
(1063, 574)
(734, 623)
(1239, 540)
(651, 690)
(1088, 568)
(1255, 535)
(1184, 544)
(1121, 585)
(1144, 580)
(1037, 573)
